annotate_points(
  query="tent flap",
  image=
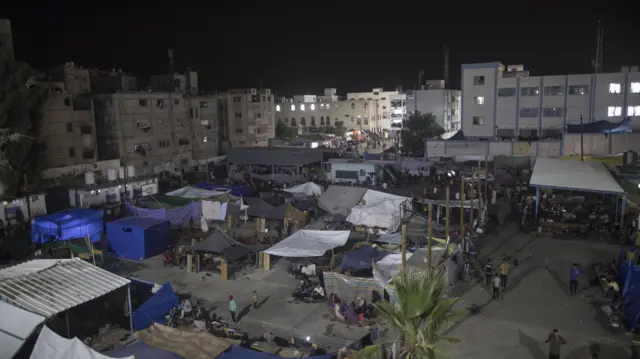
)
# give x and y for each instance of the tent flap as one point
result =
(52, 346)
(154, 309)
(378, 209)
(309, 243)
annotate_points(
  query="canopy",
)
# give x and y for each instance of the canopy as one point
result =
(195, 192)
(309, 188)
(378, 209)
(361, 258)
(238, 352)
(222, 244)
(66, 225)
(52, 346)
(154, 309)
(340, 199)
(309, 243)
(388, 267)
(142, 351)
(16, 327)
(574, 176)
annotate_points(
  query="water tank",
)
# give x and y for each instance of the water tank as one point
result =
(630, 157)
(89, 178)
(131, 171)
(121, 172)
(112, 174)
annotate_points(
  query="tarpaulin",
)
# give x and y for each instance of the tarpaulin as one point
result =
(66, 225)
(240, 191)
(361, 258)
(52, 346)
(309, 243)
(238, 352)
(154, 309)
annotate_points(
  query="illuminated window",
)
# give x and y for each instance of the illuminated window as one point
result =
(634, 87)
(328, 107)
(479, 100)
(615, 88)
(278, 108)
(313, 107)
(293, 107)
(633, 111)
(614, 111)
(302, 107)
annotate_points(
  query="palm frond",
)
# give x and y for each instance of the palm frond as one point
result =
(377, 351)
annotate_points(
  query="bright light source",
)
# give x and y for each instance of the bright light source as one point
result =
(615, 88)
(308, 338)
(278, 108)
(293, 107)
(635, 87)
(302, 107)
(328, 107)
(313, 107)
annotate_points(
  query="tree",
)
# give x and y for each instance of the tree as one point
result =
(21, 103)
(419, 317)
(416, 130)
(285, 131)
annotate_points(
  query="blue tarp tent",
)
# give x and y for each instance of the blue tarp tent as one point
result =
(238, 352)
(154, 309)
(142, 351)
(240, 191)
(66, 225)
(138, 238)
(361, 258)
(601, 126)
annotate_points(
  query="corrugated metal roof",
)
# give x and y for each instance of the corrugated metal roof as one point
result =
(15, 328)
(51, 286)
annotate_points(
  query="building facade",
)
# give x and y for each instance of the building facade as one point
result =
(505, 102)
(247, 118)
(443, 104)
(382, 100)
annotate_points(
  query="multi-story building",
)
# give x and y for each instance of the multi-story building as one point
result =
(247, 118)
(505, 102)
(112, 81)
(6, 38)
(433, 98)
(68, 126)
(382, 116)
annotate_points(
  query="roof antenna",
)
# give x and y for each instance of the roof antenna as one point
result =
(597, 63)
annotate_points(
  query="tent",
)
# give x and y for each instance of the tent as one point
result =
(361, 258)
(141, 350)
(178, 216)
(238, 352)
(52, 346)
(154, 309)
(16, 327)
(378, 209)
(195, 192)
(240, 191)
(138, 238)
(340, 199)
(222, 244)
(309, 188)
(601, 126)
(309, 243)
(66, 225)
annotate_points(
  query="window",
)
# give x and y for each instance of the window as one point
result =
(328, 106)
(67, 101)
(552, 112)
(353, 106)
(615, 88)
(384, 107)
(477, 120)
(554, 90)
(142, 103)
(184, 161)
(328, 122)
(478, 80)
(530, 91)
(633, 111)
(176, 102)
(205, 139)
(239, 130)
(237, 115)
(237, 99)
(142, 124)
(302, 107)
(194, 112)
(88, 154)
(614, 111)
(479, 100)
(529, 112)
(552, 134)
(278, 108)
(72, 152)
(293, 107)
(164, 143)
(634, 87)
(579, 90)
(347, 174)
(383, 98)
(313, 107)
(204, 104)
(183, 142)
(303, 121)
(86, 130)
(507, 92)
(69, 127)
(160, 103)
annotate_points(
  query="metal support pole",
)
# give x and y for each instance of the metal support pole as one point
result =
(473, 202)
(130, 308)
(623, 208)
(617, 208)
(404, 248)
(462, 199)
(537, 201)
(429, 235)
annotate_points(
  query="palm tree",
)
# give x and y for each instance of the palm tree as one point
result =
(419, 317)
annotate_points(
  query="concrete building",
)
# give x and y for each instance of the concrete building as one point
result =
(247, 118)
(383, 102)
(398, 110)
(6, 38)
(113, 81)
(68, 126)
(443, 104)
(505, 102)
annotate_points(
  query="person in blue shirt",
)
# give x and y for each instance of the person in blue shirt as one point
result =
(573, 280)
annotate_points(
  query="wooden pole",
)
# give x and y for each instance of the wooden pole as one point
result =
(480, 203)
(473, 203)
(446, 226)
(404, 247)
(486, 180)
(462, 197)
(429, 236)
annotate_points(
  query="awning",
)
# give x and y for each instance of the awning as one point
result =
(340, 199)
(52, 346)
(51, 286)
(16, 326)
(224, 245)
(309, 188)
(309, 243)
(574, 176)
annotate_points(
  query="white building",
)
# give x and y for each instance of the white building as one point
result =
(113, 189)
(383, 99)
(398, 111)
(247, 118)
(504, 102)
(443, 104)
(16, 209)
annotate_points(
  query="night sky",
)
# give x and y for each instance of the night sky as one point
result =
(296, 49)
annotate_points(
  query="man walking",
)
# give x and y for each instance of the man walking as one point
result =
(504, 273)
(573, 279)
(496, 286)
(555, 341)
(255, 299)
(488, 272)
(232, 308)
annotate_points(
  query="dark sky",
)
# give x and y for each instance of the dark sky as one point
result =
(295, 49)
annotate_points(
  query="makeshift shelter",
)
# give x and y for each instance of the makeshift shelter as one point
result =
(379, 209)
(52, 346)
(66, 225)
(177, 216)
(141, 350)
(309, 189)
(340, 199)
(138, 238)
(195, 192)
(16, 326)
(223, 245)
(349, 288)
(154, 309)
(188, 345)
(309, 243)
(260, 208)
(238, 352)
(240, 191)
(601, 126)
(361, 258)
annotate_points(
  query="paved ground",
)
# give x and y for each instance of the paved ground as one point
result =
(278, 312)
(536, 302)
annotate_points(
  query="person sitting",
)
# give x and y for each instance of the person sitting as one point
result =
(185, 308)
(318, 292)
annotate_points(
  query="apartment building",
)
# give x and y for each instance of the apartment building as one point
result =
(443, 104)
(113, 81)
(505, 102)
(398, 110)
(382, 116)
(68, 127)
(6, 38)
(247, 118)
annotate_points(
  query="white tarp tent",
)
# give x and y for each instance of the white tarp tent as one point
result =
(378, 209)
(16, 326)
(52, 346)
(309, 188)
(309, 243)
(572, 175)
(194, 192)
(388, 267)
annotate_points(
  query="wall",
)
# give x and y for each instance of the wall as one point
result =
(351, 114)
(443, 104)
(486, 111)
(363, 170)
(72, 171)
(38, 206)
(98, 196)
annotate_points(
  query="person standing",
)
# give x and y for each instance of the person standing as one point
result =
(254, 299)
(504, 273)
(488, 272)
(496, 286)
(232, 308)
(555, 341)
(573, 279)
